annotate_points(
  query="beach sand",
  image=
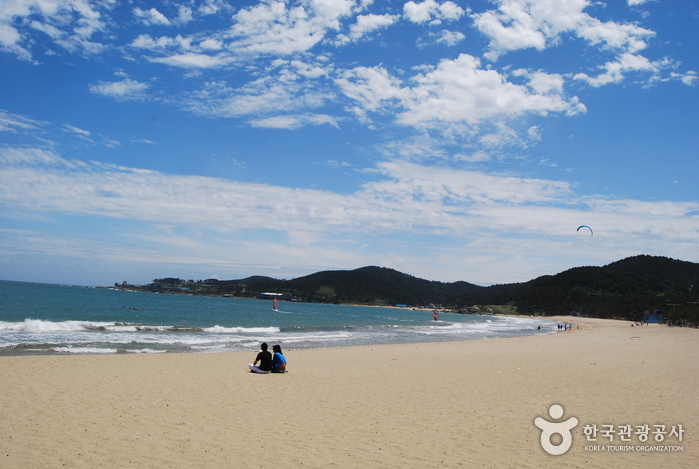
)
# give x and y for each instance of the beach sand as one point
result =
(454, 404)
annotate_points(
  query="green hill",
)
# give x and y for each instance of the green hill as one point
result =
(625, 288)
(374, 285)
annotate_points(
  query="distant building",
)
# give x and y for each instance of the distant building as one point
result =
(279, 296)
(654, 317)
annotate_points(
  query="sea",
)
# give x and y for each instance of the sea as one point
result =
(38, 318)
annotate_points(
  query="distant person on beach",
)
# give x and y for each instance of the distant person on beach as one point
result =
(265, 360)
(278, 360)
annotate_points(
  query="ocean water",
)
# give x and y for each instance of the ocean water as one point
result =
(62, 319)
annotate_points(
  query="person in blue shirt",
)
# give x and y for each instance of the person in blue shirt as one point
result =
(278, 360)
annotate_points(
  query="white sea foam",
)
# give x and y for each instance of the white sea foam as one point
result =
(147, 350)
(85, 350)
(232, 330)
(38, 325)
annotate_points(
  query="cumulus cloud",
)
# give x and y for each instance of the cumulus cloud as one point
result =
(690, 78)
(521, 24)
(365, 25)
(373, 88)
(615, 72)
(274, 28)
(459, 90)
(211, 7)
(456, 91)
(151, 17)
(127, 89)
(449, 38)
(69, 24)
(432, 11)
(266, 29)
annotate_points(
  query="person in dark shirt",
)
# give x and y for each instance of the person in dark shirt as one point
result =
(265, 360)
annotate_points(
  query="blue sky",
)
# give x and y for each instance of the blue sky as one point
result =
(450, 140)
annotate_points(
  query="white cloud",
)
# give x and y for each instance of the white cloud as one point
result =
(294, 121)
(77, 131)
(88, 136)
(13, 122)
(10, 41)
(273, 28)
(496, 215)
(145, 41)
(151, 17)
(417, 183)
(365, 25)
(307, 70)
(184, 14)
(70, 24)
(16, 157)
(211, 44)
(457, 91)
(292, 88)
(127, 89)
(690, 78)
(210, 7)
(520, 24)
(430, 10)
(450, 38)
(193, 60)
(269, 28)
(372, 88)
(614, 72)
(278, 122)
(477, 157)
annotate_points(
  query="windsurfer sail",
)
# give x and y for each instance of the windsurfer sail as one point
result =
(275, 304)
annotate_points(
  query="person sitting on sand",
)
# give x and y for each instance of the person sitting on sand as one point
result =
(278, 360)
(265, 359)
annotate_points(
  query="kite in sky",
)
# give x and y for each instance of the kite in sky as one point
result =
(585, 226)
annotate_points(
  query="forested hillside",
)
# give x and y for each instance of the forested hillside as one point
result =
(625, 288)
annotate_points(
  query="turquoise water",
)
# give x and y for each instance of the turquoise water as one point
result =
(43, 318)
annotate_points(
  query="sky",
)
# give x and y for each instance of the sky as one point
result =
(450, 140)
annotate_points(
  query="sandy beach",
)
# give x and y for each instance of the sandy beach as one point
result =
(454, 404)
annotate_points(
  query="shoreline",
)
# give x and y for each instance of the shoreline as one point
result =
(436, 404)
(105, 338)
